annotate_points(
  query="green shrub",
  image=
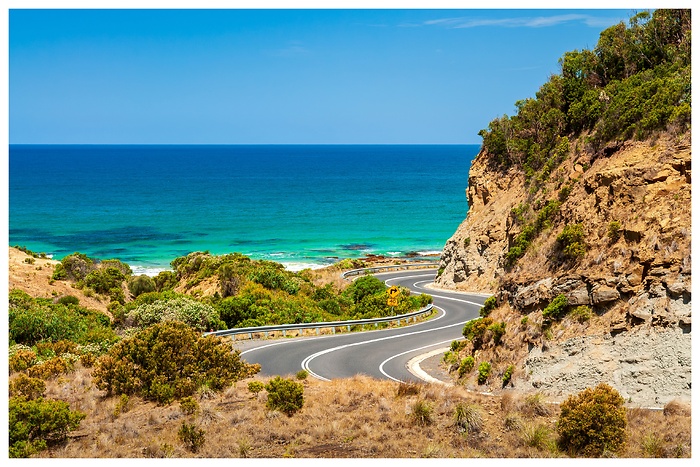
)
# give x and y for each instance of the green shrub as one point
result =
(593, 422)
(572, 242)
(456, 346)
(189, 406)
(507, 375)
(466, 365)
(255, 387)
(581, 313)
(614, 231)
(103, 280)
(198, 315)
(35, 320)
(192, 436)
(75, 267)
(467, 241)
(484, 372)
(489, 305)
(38, 423)
(26, 386)
(537, 436)
(284, 395)
(422, 413)
(69, 300)
(141, 284)
(21, 358)
(169, 361)
(122, 406)
(475, 331)
(497, 331)
(556, 308)
(302, 374)
(165, 280)
(468, 418)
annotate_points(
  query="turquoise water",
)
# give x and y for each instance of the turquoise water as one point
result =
(299, 205)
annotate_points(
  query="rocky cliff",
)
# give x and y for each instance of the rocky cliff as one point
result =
(632, 268)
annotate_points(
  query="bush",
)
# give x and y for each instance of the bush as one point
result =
(484, 372)
(50, 368)
(35, 320)
(556, 308)
(38, 423)
(255, 387)
(103, 280)
(466, 365)
(284, 395)
(614, 231)
(69, 300)
(475, 331)
(489, 306)
(189, 406)
(141, 284)
(581, 313)
(74, 267)
(21, 358)
(192, 436)
(572, 242)
(302, 374)
(198, 315)
(456, 346)
(508, 374)
(468, 418)
(593, 422)
(165, 280)
(497, 331)
(26, 386)
(422, 413)
(167, 361)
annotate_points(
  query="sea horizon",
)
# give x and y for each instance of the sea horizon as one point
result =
(302, 205)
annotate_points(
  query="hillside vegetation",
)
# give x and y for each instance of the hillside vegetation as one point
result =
(579, 224)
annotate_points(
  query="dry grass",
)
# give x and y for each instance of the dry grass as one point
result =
(358, 417)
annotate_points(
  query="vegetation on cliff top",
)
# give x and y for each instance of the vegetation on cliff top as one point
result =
(635, 81)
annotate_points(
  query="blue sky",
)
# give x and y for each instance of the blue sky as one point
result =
(394, 76)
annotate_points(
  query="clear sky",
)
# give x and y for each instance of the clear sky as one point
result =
(386, 76)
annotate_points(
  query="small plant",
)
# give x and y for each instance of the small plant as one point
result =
(467, 241)
(192, 436)
(497, 331)
(21, 359)
(456, 346)
(122, 406)
(581, 313)
(285, 395)
(513, 422)
(592, 422)
(534, 405)
(69, 300)
(422, 413)
(50, 368)
(489, 306)
(571, 242)
(523, 321)
(30, 388)
(255, 387)
(484, 372)
(556, 308)
(507, 375)
(408, 389)
(29, 260)
(244, 448)
(468, 418)
(302, 375)
(466, 365)
(189, 406)
(652, 446)
(537, 436)
(614, 231)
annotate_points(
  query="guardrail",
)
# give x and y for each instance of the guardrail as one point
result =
(370, 270)
(321, 325)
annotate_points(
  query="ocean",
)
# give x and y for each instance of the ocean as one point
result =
(300, 205)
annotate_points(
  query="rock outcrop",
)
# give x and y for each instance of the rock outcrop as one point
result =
(633, 202)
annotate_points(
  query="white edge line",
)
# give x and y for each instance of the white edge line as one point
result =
(423, 357)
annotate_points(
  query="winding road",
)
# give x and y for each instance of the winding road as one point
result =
(380, 354)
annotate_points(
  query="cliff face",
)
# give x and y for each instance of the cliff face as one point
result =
(633, 202)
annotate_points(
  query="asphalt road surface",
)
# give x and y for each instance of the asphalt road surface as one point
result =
(380, 354)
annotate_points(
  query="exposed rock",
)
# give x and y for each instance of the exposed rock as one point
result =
(602, 294)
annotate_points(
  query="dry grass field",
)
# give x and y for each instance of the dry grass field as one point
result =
(351, 418)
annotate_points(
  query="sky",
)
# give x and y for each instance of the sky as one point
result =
(281, 76)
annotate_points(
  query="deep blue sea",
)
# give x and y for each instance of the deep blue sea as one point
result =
(300, 205)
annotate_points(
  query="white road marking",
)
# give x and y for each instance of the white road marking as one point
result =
(381, 367)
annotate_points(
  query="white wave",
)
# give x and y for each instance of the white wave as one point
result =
(430, 253)
(393, 253)
(296, 267)
(149, 271)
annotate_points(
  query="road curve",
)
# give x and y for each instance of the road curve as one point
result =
(380, 354)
